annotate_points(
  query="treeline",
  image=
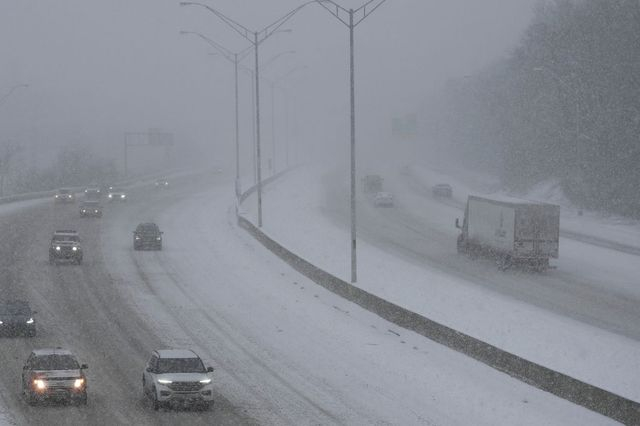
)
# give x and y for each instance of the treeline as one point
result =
(565, 104)
(74, 165)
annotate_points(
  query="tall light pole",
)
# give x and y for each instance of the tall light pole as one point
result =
(355, 17)
(255, 38)
(234, 58)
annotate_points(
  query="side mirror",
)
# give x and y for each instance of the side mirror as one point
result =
(84, 367)
(457, 223)
(149, 370)
(24, 367)
(209, 369)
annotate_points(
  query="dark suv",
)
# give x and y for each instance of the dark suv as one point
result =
(147, 236)
(54, 374)
(16, 318)
(65, 245)
(91, 208)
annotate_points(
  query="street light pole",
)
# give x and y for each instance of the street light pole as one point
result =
(235, 58)
(255, 38)
(339, 11)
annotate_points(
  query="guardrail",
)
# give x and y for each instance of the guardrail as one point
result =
(561, 385)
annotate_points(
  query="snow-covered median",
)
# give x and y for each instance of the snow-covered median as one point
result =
(293, 215)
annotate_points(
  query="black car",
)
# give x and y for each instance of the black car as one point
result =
(16, 319)
(91, 209)
(65, 245)
(147, 236)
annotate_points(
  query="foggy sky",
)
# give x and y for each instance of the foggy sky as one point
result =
(98, 68)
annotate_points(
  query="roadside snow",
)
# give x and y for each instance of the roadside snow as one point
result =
(293, 215)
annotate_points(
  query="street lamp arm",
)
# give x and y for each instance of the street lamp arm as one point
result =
(339, 10)
(273, 59)
(335, 12)
(277, 24)
(237, 27)
(375, 4)
(13, 89)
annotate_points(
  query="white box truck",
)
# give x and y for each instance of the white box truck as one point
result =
(516, 233)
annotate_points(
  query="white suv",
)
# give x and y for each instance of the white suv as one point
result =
(177, 376)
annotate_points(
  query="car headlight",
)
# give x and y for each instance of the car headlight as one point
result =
(84, 211)
(29, 321)
(96, 211)
(1, 323)
(40, 384)
(110, 195)
(158, 238)
(74, 248)
(78, 383)
(123, 196)
(57, 196)
(205, 381)
(164, 381)
(58, 248)
(137, 238)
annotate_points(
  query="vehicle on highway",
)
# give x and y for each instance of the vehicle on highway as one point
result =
(372, 184)
(177, 377)
(65, 245)
(17, 319)
(54, 374)
(442, 190)
(64, 195)
(516, 233)
(161, 183)
(147, 236)
(383, 199)
(116, 194)
(91, 208)
(92, 193)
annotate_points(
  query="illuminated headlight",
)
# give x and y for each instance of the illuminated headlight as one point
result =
(1, 323)
(84, 211)
(78, 383)
(29, 321)
(123, 196)
(40, 384)
(74, 248)
(205, 381)
(158, 238)
(164, 381)
(110, 195)
(57, 248)
(57, 196)
(137, 238)
(95, 211)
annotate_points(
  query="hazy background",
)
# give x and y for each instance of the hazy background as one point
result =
(99, 68)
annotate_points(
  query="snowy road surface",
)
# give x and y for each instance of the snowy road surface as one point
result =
(285, 350)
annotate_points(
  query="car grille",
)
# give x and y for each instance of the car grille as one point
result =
(186, 386)
(60, 382)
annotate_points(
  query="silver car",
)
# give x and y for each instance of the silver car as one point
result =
(175, 377)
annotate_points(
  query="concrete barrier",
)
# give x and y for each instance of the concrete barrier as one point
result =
(591, 397)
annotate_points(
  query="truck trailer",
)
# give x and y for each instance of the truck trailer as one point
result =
(516, 233)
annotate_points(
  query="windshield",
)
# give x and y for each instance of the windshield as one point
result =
(180, 365)
(54, 362)
(14, 309)
(64, 191)
(65, 238)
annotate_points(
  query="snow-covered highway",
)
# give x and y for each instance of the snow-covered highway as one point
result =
(285, 350)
